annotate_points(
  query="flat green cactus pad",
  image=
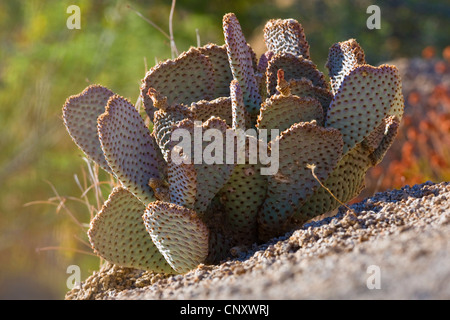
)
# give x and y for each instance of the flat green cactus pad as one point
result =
(128, 147)
(364, 98)
(240, 117)
(264, 62)
(210, 176)
(398, 104)
(220, 107)
(342, 58)
(347, 180)
(241, 62)
(286, 36)
(183, 80)
(280, 112)
(294, 183)
(163, 122)
(392, 124)
(182, 179)
(180, 235)
(118, 234)
(80, 113)
(294, 68)
(242, 197)
(373, 139)
(304, 88)
(218, 57)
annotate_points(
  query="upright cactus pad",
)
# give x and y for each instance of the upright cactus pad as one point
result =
(227, 161)
(286, 36)
(241, 63)
(80, 117)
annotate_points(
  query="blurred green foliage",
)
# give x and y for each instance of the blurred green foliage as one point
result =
(42, 63)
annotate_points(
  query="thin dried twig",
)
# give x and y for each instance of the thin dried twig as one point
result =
(198, 37)
(173, 46)
(150, 22)
(65, 249)
(312, 167)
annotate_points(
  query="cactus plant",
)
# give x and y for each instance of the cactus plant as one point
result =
(170, 216)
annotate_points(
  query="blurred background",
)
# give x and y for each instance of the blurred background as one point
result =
(46, 201)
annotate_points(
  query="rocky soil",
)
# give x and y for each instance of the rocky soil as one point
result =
(394, 245)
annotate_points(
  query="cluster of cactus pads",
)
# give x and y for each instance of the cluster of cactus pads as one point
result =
(168, 217)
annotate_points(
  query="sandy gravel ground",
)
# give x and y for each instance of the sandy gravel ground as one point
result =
(394, 245)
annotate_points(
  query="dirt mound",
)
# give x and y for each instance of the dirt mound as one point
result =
(393, 245)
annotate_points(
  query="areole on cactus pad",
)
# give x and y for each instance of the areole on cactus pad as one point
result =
(168, 216)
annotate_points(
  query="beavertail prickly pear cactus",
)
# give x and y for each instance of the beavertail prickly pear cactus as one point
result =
(170, 213)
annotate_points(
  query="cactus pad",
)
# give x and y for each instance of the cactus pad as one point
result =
(218, 57)
(240, 116)
(243, 195)
(242, 202)
(211, 177)
(286, 36)
(128, 147)
(304, 88)
(118, 235)
(345, 182)
(179, 234)
(241, 62)
(294, 68)
(182, 179)
(220, 107)
(293, 183)
(363, 100)
(163, 122)
(280, 112)
(80, 115)
(183, 80)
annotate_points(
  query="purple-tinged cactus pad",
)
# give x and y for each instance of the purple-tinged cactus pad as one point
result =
(343, 57)
(185, 79)
(242, 62)
(218, 57)
(240, 116)
(304, 88)
(80, 114)
(280, 112)
(242, 197)
(128, 147)
(294, 68)
(180, 235)
(163, 123)
(286, 36)
(392, 124)
(221, 107)
(264, 61)
(302, 144)
(347, 180)
(182, 179)
(117, 234)
(210, 176)
(364, 99)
